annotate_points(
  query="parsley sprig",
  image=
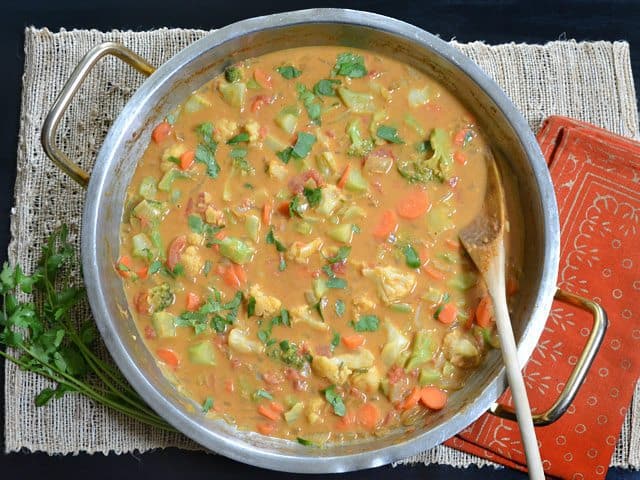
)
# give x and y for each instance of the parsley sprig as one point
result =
(40, 336)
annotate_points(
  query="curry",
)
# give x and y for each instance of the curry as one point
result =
(289, 246)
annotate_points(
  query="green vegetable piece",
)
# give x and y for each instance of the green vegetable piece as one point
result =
(252, 225)
(366, 323)
(326, 87)
(418, 97)
(330, 198)
(207, 405)
(429, 376)
(242, 137)
(340, 308)
(148, 188)
(401, 307)
(411, 257)
(294, 412)
(275, 144)
(423, 349)
(287, 121)
(202, 353)
(335, 400)
(303, 145)
(169, 177)
(350, 65)
(305, 228)
(356, 182)
(463, 281)
(142, 247)
(164, 324)
(357, 102)
(336, 283)
(413, 123)
(236, 250)
(319, 287)
(342, 233)
(234, 93)
(438, 166)
(233, 74)
(261, 393)
(205, 153)
(390, 134)
(439, 220)
(289, 72)
(160, 297)
(196, 102)
(311, 104)
(313, 196)
(150, 211)
(360, 147)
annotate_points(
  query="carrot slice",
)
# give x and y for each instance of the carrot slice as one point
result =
(458, 139)
(266, 428)
(410, 400)
(266, 213)
(161, 132)
(187, 159)
(433, 398)
(262, 77)
(124, 266)
(484, 312)
(268, 412)
(353, 341)
(141, 301)
(346, 421)
(448, 313)
(386, 225)
(193, 301)
(276, 407)
(414, 205)
(240, 273)
(460, 158)
(368, 415)
(283, 209)
(175, 251)
(142, 272)
(433, 273)
(230, 278)
(343, 178)
(168, 356)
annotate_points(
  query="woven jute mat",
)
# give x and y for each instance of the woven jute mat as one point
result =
(588, 81)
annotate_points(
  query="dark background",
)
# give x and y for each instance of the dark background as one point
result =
(496, 21)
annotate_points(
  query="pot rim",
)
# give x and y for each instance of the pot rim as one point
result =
(298, 463)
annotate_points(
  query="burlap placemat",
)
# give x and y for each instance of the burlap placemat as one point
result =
(589, 81)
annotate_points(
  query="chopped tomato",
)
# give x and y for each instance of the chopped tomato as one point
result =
(175, 251)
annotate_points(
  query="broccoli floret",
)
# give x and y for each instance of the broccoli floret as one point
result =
(360, 147)
(160, 297)
(434, 162)
(232, 74)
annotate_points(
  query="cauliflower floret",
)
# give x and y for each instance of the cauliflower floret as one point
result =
(330, 368)
(276, 169)
(392, 283)
(362, 303)
(214, 216)
(266, 306)
(396, 344)
(300, 251)
(304, 314)
(460, 349)
(368, 381)
(314, 410)
(174, 151)
(224, 130)
(362, 358)
(240, 342)
(195, 239)
(160, 297)
(253, 129)
(192, 261)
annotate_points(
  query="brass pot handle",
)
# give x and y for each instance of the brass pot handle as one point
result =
(51, 123)
(578, 374)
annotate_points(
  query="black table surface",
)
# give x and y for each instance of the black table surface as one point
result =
(494, 21)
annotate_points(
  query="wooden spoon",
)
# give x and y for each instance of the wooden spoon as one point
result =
(483, 239)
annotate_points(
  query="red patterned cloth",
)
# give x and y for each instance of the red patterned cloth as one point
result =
(597, 182)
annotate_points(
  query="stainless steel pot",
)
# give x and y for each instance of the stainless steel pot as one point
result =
(189, 69)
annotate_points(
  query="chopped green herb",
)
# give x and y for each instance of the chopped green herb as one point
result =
(335, 400)
(303, 145)
(207, 405)
(411, 257)
(206, 151)
(335, 341)
(295, 208)
(271, 240)
(251, 306)
(173, 159)
(311, 104)
(326, 87)
(468, 136)
(282, 265)
(248, 186)
(155, 267)
(341, 256)
(340, 307)
(436, 314)
(240, 138)
(261, 393)
(207, 267)
(366, 323)
(336, 283)
(213, 313)
(390, 134)
(285, 155)
(350, 65)
(314, 196)
(289, 72)
(306, 443)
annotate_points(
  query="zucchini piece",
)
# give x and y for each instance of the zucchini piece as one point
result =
(342, 233)
(234, 93)
(357, 102)
(423, 349)
(142, 246)
(274, 143)
(319, 287)
(413, 123)
(202, 353)
(150, 210)
(356, 182)
(294, 412)
(463, 281)
(171, 176)
(252, 225)
(429, 376)
(331, 197)
(418, 97)
(164, 324)
(148, 188)
(236, 250)
(195, 103)
(438, 220)
(304, 228)
(287, 122)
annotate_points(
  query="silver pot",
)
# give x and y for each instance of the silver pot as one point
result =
(189, 69)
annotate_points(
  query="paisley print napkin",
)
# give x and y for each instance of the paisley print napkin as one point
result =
(597, 182)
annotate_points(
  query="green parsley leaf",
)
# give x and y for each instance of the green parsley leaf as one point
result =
(311, 105)
(366, 323)
(285, 155)
(337, 283)
(335, 341)
(335, 400)
(271, 240)
(340, 307)
(350, 65)
(251, 306)
(240, 138)
(207, 405)
(206, 154)
(411, 257)
(173, 159)
(261, 393)
(326, 87)
(289, 72)
(390, 134)
(314, 196)
(341, 256)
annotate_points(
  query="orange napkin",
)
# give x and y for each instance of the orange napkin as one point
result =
(597, 182)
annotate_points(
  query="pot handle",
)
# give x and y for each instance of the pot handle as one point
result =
(51, 123)
(578, 374)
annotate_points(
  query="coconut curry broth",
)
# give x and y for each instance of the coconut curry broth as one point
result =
(290, 246)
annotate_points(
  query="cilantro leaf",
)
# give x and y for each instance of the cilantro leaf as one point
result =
(411, 257)
(350, 65)
(205, 153)
(335, 341)
(271, 240)
(326, 87)
(335, 400)
(240, 138)
(207, 405)
(311, 104)
(366, 323)
(285, 155)
(340, 307)
(289, 72)
(251, 307)
(390, 134)
(337, 283)
(341, 255)
(303, 145)
(314, 196)
(261, 393)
